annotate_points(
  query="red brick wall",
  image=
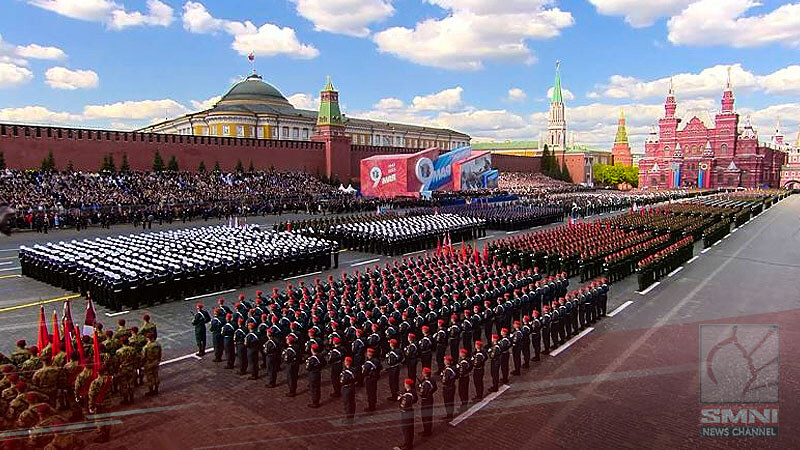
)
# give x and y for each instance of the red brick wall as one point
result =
(512, 163)
(25, 146)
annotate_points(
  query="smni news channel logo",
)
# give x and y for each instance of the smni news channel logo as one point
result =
(738, 380)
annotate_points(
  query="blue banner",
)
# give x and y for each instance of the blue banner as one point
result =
(700, 176)
(443, 168)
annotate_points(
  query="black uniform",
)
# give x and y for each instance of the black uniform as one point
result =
(253, 344)
(393, 361)
(216, 337)
(348, 381)
(449, 377)
(407, 400)
(228, 332)
(292, 361)
(273, 351)
(505, 345)
(335, 360)
(241, 350)
(495, 354)
(516, 349)
(314, 365)
(426, 389)
(464, 372)
(412, 356)
(371, 371)
(425, 351)
(199, 322)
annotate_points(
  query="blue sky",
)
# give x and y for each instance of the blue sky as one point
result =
(479, 66)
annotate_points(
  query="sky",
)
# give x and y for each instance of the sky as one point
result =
(483, 67)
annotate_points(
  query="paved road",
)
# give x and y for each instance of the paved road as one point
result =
(632, 382)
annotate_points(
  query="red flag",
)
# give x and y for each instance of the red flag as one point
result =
(476, 256)
(44, 337)
(485, 254)
(56, 337)
(438, 247)
(66, 317)
(449, 244)
(463, 251)
(79, 342)
(91, 316)
(288, 226)
(68, 343)
(96, 354)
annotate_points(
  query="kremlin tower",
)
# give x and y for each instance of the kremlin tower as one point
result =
(621, 151)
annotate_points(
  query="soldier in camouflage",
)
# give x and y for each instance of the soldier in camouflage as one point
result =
(151, 357)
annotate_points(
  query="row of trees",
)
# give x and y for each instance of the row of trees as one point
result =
(615, 175)
(109, 165)
(552, 168)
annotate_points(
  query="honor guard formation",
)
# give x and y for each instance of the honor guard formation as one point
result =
(127, 271)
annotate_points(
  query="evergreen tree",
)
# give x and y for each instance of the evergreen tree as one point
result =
(172, 165)
(125, 167)
(252, 168)
(565, 176)
(158, 162)
(201, 167)
(239, 166)
(217, 169)
(112, 167)
(2, 161)
(545, 160)
(70, 166)
(49, 163)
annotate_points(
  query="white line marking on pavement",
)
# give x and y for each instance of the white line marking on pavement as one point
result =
(477, 407)
(303, 275)
(414, 253)
(180, 358)
(726, 236)
(369, 261)
(131, 412)
(566, 345)
(6, 263)
(486, 237)
(716, 243)
(211, 294)
(705, 250)
(735, 230)
(620, 308)
(512, 232)
(9, 250)
(10, 268)
(675, 271)
(117, 313)
(693, 259)
(652, 286)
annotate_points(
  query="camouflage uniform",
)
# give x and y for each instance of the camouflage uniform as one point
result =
(81, 388)
(58, 441)
(19, 356)
(30, 417)
(46, 380)
(30, 366)
(147, 328)
(100, 400)
(151, 357)
(128, 361)
(139, 341)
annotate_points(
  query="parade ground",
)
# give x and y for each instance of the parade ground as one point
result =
(632, 380)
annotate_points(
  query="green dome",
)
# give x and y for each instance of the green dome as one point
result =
(253, 89)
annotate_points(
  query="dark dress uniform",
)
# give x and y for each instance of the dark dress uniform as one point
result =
(273, 351)
(464, 372)
(292, 361)
(505, 346)
(449, 377)
(426, 388)
(216, 337)
(228, 332)
(241, 350)
(407, 401)
(425, 351)
(371, 371)
(253, 344)
(348, 381)
(478, 363)
(393, 361)
(199, 322)
(516, 350)
(335, 360)
(411, 356)
(536, 337)
(314, 365)
(526, 344)
(441, 348)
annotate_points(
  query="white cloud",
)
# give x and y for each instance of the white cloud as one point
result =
(708, 22)
(37, 114)
(266, 40)
(304, 101)
(159, 14)
(63, 78)
(135, 110)
(388, 104)
(475, 32)
(638, 13)
(201, 105)
(13, 75)
(481, 121)
(516, 95)
(350, 17)
(445, 100)
(35, 51)
(566, 93)
(708, 82)
(111, 13)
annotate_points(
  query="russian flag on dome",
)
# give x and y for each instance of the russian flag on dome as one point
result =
(251, 57)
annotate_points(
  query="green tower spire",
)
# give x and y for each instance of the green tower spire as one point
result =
(622, 132)
(329, 112)
(557, 98)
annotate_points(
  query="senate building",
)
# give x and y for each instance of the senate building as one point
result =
(253, 108)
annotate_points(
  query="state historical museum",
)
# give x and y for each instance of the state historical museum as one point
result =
(697, 153)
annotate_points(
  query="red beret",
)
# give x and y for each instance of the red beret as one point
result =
(479, 343)
(517, 322)
(348, 359)
(314, 347)
(228, 316)
(220, 300)
(454, 316)
(526, 318)
(259, 293)
(463, 351)
(393, 342)
(251, 325)
(409, 382)
(441, 321)
(290, 338)
(412, 336)
(426, 370)
(121, 322)
(370, 350)
(335, 340)
(198, 305)
(504, 330)
(425, 328)
(241, 321)
(241, 296)
(495, 336)
(21, 343)
(312, 331)
(448, 358)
